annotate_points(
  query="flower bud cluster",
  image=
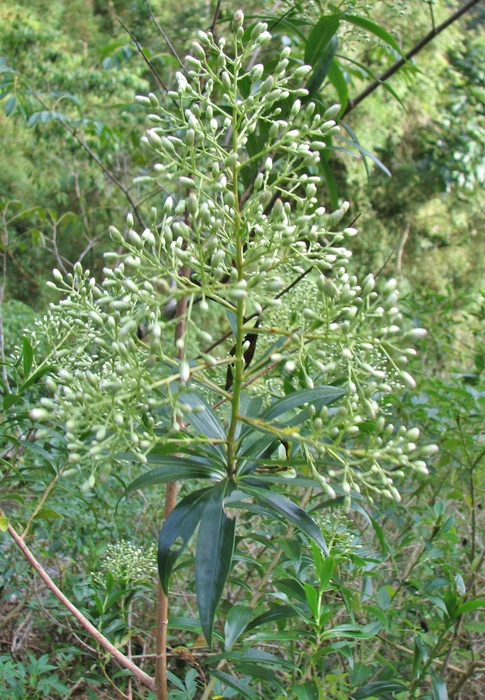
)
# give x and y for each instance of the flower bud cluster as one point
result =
(247, 231)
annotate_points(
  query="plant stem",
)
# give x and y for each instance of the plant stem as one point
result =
(91, 629)
(239, 355)
(170, 500)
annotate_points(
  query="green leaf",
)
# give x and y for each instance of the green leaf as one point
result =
(213, 556)
(174, 469)
(206, 422)
(9, 400)
(38, 374)
(377, 689)
(470, 605)
(337, 78)
(439, 688)
(180, 524)
(10, 105)
(375, 29)
(236, 684)
(279, 612)
(331, 182)
(355, 144)
(3, 523)
(261, 673)
(255, 656)
(236, 622)
(306, 691)
(372, 75)
(318, 76)
(48, 514)
(27, 355)
(312, 596)
(319, 38)
(323, 395)
(289, 510)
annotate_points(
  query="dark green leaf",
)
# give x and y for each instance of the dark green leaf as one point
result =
(10, 105)
(337, 78)
(213, 557)
(470, 605)
(175, 469)
(439, 688)
(38, 374)
(259, 672)
(378, 688)
(206, 422)
(289, 510)
(236, 684)
(255, 656)
(9, 400)
(319, 38)
(180, 524)
(236, 622)
(306, 691)
(320, 72)
(331, 182)
(323, 394)
(27, 355)
(375, 29)
(280, 612)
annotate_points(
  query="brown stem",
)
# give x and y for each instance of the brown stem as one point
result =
(170, 500)
(416, 49)
(84, 622)
(216, 17)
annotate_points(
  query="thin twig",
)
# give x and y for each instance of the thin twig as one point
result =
(160, 82)
(98, 161)
(84, 622)
(216, 17)
(416, 49)
(167, 40)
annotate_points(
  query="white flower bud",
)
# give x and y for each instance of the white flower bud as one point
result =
(40, 414)
(408, 380)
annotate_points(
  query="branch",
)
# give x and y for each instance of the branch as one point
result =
(91, 629)
(416, 49)
(97, 160)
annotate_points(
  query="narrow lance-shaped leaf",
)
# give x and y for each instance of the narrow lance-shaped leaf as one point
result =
(375, 29)
(319, 38)
(337, 78)
(173, 469)
(27, 355)
(289, 510)
(236, 622)
(324, 395)
(213, 557)
(180, 524)
(322, 68)
(237, 685)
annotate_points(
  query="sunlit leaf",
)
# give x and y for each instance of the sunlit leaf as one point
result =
(375, 29)
(319, 38)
